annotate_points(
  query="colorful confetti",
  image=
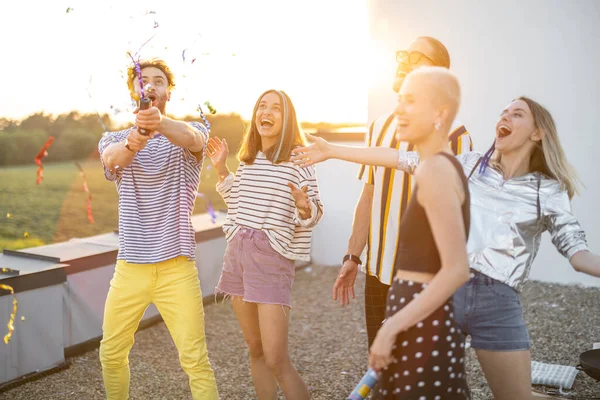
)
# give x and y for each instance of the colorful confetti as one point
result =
(85, 188)
(183, 56)
(11, 321)
(38, 160)
(210, 108)
(138, 71)
(209, 207)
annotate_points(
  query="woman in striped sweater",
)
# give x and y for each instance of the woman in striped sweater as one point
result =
(273, 205)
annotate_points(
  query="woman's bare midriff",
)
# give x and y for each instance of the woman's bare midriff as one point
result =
(420, 277)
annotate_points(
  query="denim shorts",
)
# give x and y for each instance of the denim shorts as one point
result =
(254, 271)
(491, 313)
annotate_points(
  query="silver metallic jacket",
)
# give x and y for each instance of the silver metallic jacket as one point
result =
(505, 230)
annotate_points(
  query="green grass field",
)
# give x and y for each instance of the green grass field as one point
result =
(55, 210)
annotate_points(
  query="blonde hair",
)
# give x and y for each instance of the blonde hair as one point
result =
(548, 157)
(291, 134)
(445, 84)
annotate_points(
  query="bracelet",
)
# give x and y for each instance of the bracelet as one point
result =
(353, 258)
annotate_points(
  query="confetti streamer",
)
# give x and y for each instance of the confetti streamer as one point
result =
(136, 63)
(38, 160)
(11, 321)
(206, 123)
(94, 105)
(209, 207)
(138, 71)
(184, 59)
(85, 188)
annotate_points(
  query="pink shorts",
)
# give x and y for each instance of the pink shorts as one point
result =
(253, 270)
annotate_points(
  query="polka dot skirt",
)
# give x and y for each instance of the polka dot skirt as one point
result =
(429, 357)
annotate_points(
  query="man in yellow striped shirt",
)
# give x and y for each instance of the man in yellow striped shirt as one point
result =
(385, 196)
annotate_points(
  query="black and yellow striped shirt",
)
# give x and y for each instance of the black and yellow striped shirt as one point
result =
(392, 192)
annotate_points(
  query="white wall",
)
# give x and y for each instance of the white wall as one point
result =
(339, 189)
(545, 49)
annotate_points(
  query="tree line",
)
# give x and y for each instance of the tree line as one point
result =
(76, 135)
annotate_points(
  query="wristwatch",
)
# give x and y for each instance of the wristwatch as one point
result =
(127, 145)
(353, 258)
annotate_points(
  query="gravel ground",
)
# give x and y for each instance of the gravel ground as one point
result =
(327, 345)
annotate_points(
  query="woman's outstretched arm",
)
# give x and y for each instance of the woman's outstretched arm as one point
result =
(321, 150)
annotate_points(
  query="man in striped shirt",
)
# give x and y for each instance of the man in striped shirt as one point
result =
(156, 177)
(385, 196)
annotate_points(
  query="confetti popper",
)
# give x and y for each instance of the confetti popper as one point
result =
(86, 189)
(365, 385)
(38, 160)
(145, 104)
(11, 321)
(209, 207)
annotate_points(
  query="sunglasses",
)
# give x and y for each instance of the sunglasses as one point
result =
(412, 57)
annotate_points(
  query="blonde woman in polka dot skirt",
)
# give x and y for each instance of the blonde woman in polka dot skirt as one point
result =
(419, 349)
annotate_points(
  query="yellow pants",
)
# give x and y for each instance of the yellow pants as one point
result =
(173, 286)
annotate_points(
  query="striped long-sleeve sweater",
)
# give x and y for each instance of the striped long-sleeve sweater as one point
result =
(258, 197)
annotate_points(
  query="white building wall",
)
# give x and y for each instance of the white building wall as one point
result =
(545, 49)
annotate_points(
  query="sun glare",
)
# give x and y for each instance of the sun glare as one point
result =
(234, 50)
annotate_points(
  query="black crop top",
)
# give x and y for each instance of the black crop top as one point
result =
(416, 247)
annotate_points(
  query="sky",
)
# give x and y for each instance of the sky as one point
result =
(60, 55)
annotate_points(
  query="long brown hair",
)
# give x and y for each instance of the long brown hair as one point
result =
(548, 157)
(291, 135)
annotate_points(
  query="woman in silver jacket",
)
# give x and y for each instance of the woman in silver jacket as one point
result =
(520, 188)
